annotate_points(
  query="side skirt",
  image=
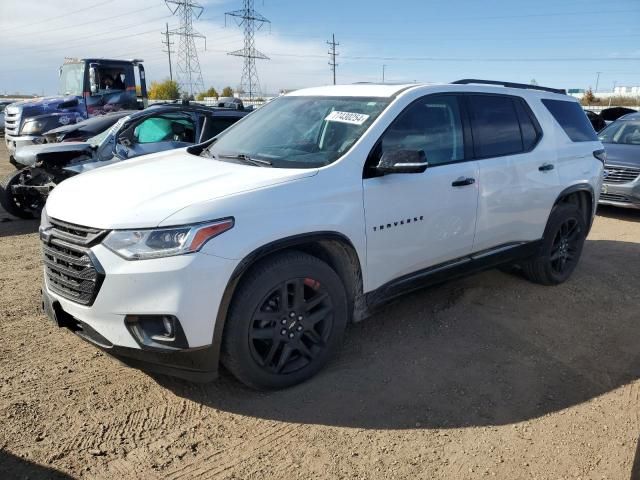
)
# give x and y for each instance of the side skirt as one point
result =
(460, 267)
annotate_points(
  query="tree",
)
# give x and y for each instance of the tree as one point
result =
(212, 92)
(589, 98)
(166, 90)
(533, 82)
(227, 92)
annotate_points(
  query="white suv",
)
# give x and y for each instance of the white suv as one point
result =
(257, 248)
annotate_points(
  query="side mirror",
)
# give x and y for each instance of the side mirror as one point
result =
(93, 83)
(402, 161)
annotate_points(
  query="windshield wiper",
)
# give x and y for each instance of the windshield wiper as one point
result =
(247, 159)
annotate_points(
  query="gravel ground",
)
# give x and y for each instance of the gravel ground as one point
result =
(488, 376)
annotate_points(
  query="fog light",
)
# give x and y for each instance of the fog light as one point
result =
(168, 327)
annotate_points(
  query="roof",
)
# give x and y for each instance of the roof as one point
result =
(390, 90)
(631, 116)
(179, 107)
(355, 90)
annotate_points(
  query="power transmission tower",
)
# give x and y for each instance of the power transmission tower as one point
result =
(251, 21)
(333, 54)
(188, 73)
(167, 41)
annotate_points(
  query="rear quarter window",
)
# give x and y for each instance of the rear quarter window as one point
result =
(572, 119)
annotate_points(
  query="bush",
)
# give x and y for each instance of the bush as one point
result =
(166, 90)
(212, 92)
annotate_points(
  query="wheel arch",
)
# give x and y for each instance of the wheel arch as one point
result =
(582, 195)
(331, 247)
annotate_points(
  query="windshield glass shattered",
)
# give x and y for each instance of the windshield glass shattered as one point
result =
(299, 132)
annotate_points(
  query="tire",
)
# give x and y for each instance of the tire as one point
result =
(9, 201)
(562, 244)
(268, 344)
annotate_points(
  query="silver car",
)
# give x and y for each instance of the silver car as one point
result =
(621, 184)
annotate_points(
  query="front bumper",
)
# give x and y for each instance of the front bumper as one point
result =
(14, 143)
(626, 195)
(189, 287)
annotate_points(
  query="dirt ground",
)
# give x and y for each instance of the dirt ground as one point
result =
(489, 376)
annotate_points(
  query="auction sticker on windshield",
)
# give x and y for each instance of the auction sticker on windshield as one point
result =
(347, 117)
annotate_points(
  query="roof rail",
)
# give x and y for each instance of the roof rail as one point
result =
(467, 81)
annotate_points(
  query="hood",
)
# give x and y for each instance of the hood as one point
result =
(51, 152)
(622, 154)
(50, 105)
(142, 192)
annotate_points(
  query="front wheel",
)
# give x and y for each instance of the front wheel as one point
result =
(15, 204)
(561, 248)
(286, 320)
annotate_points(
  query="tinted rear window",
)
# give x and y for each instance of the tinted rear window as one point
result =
(572, 119)
(496, 130)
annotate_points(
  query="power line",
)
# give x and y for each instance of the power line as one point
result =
(188, 74)
(168, 43)
(248, 18)
(99, 20)
(333, 54)
(64, 15)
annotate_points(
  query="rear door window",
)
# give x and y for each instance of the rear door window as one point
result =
(572, 119)
(496, 130)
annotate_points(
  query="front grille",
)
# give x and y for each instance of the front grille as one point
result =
(613, 197)
(616, 174)
(12, 116)
(72, 270)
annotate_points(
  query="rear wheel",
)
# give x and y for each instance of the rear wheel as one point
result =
(286, 320)
(561, 246)
(16, 205)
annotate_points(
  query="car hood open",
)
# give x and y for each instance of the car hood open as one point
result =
(141, 193)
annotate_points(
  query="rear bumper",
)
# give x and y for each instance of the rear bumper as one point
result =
(192, 364)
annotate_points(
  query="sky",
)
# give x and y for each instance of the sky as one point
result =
(559, 43)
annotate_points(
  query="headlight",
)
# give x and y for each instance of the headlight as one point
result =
(36, 126)
(33, 127)
(164, 242)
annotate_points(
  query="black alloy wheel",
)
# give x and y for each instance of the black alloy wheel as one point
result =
(561, 247)
(565, 247)
(291, 326)
(285, 321)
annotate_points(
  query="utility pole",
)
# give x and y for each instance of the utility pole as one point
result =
(248, 18)
(188, 73)
(168, 43)
(383, 69)
(332, 54)
(597, 81)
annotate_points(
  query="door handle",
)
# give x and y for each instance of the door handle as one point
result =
(462, 181)
(546, 167)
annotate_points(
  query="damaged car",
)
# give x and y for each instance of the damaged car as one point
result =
(164, 127)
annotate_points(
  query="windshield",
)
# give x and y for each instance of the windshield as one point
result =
(300, 132)
(625, 132)
(71, 79)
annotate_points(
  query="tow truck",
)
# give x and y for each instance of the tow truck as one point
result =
(87, 87)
